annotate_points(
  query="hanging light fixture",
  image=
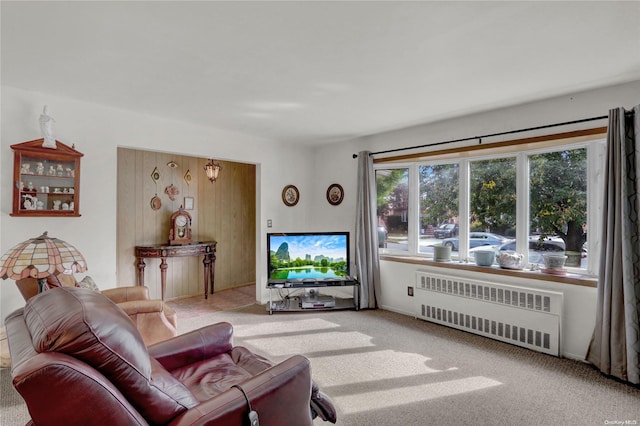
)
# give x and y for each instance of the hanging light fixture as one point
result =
(212, 169)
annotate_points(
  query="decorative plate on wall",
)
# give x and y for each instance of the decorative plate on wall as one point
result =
(172, 191)
(155, 175)
(156, 203)
(187, 177)
(290, 195)
(335, 194)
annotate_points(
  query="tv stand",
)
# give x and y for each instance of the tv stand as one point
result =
(305, 296)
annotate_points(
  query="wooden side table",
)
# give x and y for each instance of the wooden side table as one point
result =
(163, 251)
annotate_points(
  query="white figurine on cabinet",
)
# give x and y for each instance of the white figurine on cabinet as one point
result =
(29, 202)
(46, 127)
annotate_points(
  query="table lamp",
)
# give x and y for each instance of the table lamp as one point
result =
(39, 258)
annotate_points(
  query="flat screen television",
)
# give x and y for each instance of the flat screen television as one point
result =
(308, 255)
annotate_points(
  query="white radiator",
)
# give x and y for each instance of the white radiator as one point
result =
(522, 316)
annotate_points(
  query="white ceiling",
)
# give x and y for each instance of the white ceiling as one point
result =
(316, 72)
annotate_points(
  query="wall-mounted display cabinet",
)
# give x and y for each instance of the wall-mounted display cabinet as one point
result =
(46, 181)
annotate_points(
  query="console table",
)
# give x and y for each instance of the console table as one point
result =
(163, 251)
(291, 302)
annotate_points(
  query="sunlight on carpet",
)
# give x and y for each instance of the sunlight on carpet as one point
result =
(306, 325)
(337, 358)
(323, 342)
(380, 365)
(408, 395)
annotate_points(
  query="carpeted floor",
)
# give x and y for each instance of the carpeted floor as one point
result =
(383, 368)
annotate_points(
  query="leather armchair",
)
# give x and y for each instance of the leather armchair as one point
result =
(78, 359)
(155, 320)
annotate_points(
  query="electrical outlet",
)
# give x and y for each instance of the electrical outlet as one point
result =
(410, 291)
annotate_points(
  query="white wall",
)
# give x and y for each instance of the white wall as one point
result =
(97, 131)
(579, 309)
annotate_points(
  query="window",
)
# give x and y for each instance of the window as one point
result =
(392, 186)
(492, 196)
(558, 201)
(438, 203)
(531, 198)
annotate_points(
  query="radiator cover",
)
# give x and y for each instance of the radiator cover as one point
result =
(522, 316)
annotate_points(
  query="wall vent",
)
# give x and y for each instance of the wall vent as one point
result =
(522, 316)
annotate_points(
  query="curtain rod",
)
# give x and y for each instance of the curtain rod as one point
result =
(509, 132)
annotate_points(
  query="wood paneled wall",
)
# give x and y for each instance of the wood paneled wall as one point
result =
(223, 211)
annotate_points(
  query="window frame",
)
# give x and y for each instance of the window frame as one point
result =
(594, 140)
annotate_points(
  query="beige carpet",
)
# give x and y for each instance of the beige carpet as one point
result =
(382, 368)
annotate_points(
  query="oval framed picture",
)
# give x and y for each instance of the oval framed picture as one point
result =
(335, 194)
(290, 195)
(156, 203)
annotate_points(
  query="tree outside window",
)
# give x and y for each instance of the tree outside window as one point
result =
(493, 196)
(392, 186)
(438, 194)
(558, 196)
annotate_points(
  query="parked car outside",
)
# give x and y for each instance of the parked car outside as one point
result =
(382, 236)
(446, 230)
(537, 247)
(477, 239)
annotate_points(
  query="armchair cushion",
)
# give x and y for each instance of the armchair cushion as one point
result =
(193, 347)
(90, 329)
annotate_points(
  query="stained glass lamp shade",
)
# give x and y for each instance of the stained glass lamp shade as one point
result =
(39, 258)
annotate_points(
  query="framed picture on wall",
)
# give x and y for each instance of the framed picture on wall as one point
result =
(335, 194)
(188, 203)
(290, 195)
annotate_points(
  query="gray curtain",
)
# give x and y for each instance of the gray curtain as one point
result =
(367, 262)
(615, 346)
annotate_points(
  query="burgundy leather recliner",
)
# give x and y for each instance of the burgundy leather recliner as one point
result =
(77, 359)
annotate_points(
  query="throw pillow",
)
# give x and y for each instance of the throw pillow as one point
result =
(87, 282)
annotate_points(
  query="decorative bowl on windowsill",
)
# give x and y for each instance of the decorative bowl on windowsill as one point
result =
(484, 257)
(441, 253)
(510, 260)
(554, 260)
(554, 263)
